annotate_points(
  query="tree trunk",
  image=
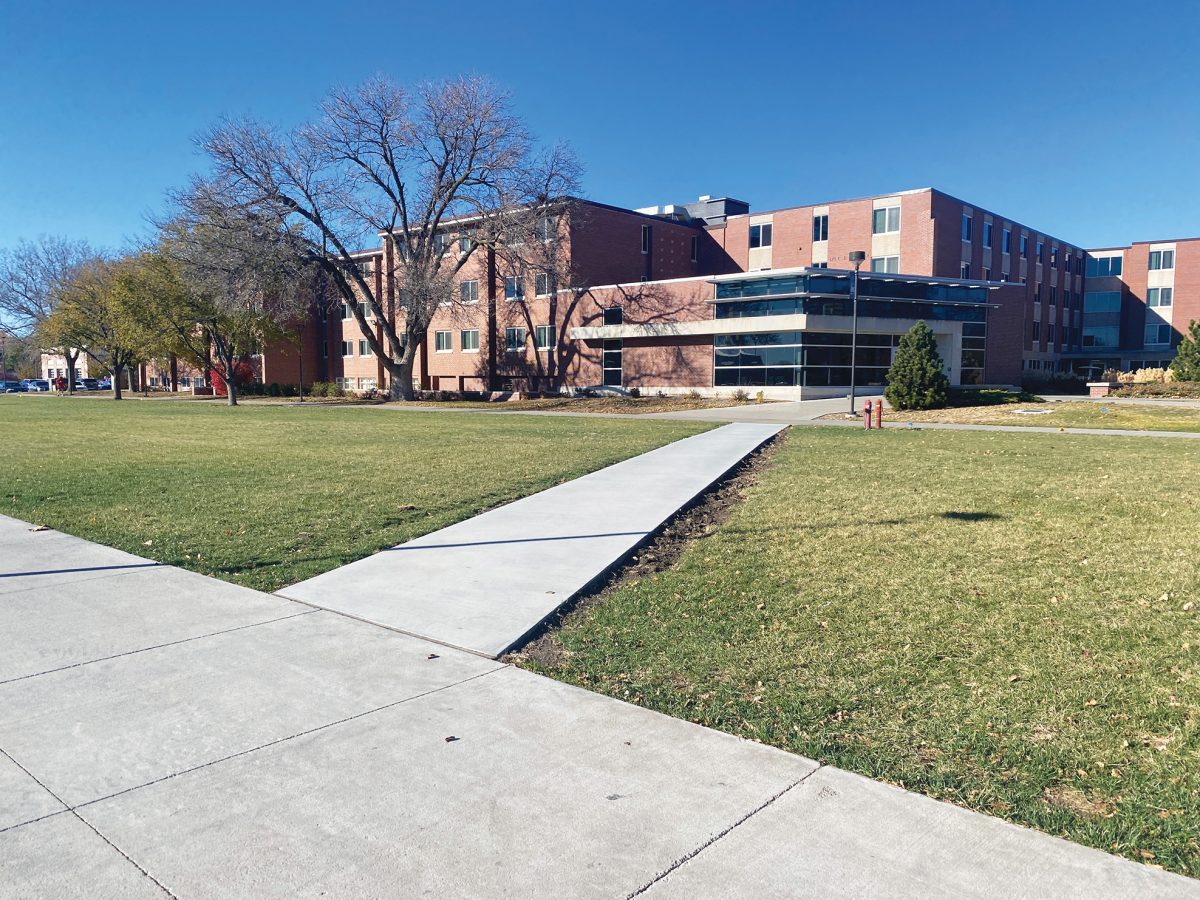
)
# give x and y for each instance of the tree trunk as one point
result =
(400, 379)
(116, 382)
(231, 392)
(71, 360)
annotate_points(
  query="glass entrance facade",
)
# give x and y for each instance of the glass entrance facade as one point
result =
(822, 358)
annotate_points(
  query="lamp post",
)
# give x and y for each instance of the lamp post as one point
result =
(856, 257)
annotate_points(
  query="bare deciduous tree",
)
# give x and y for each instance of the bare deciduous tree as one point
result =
(33, 279)
(239, 281)
(420, 168)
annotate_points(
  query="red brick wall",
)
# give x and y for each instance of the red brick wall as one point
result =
(668, 362)
(606, 247)
(1005, 336)
(1187, 285)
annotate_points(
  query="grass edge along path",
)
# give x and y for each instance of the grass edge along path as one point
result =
(1008, 622)
(266, 496)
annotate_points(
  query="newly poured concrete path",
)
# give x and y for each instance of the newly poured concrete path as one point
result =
(484, 584)
(167, 734)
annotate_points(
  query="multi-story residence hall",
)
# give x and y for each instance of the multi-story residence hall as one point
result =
(713, 296)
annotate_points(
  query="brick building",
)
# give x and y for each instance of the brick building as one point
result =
(711, 295)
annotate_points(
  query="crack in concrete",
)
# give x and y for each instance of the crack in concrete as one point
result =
(692, 854)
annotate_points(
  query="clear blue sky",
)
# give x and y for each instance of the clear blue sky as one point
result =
(1080, 118)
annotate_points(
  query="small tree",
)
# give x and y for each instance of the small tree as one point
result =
(916, 379)
(107, 312)
(1186, 364)
(237, 283)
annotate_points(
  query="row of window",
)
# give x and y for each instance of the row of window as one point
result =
(545, 338)
(1069, 262)
(1106, 266)
(885, 220)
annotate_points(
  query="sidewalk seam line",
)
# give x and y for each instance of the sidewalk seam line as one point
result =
(87, 824)
(198, 637)
(688, 857)
(282, 740)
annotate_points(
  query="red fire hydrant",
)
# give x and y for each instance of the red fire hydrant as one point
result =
(867, 415)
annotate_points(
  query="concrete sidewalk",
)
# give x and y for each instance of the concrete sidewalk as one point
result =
(163, 733)
(484, 584)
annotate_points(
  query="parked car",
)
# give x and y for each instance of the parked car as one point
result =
(12, 387)
(104, 384)
(87, 384)
(37, 384)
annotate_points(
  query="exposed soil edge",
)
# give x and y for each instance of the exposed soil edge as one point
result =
(658, 554)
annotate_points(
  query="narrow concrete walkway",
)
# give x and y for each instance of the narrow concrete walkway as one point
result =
(167, 734)
(486, 583)
(803, 412)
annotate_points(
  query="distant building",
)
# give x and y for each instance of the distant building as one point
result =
(713, 296)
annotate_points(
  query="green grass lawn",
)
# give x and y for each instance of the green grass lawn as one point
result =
(266, 496)
(1009, 622)
(1154, 416)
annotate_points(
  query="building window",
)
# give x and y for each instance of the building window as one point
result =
(325, 349)
(365, 268)
(469, 340)
(760, 236)
(1054, 257)
(1037, 293)
(695, 249)
(966, 227)
(346, 314)
(514, 288)
(443, 342)
(468, 291)
(886, 220)
(1041, 252)
(1162, 259)
(1004, 276)
(1159, 296)
(347, 348)
(987, 274)
(1025, 246)
(1157, 333)
(1053, 295)
(988, 229)
(439, 242)
(514, 339)
(544, 337)
(1006, 241)
(820, 265)
(611, 363)
(964, 270)
(1102, 302)
(1037, 333)
(1103, 266)
(614, 315)
(541, 284)
(821, 228)
(1050, 334)
(464, 244)
(364, 348)
(366, 384)
(885, 264)
(546, 229)
(646, 234)
(1067, 263)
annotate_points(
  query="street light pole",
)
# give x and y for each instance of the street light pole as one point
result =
(856, 257)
